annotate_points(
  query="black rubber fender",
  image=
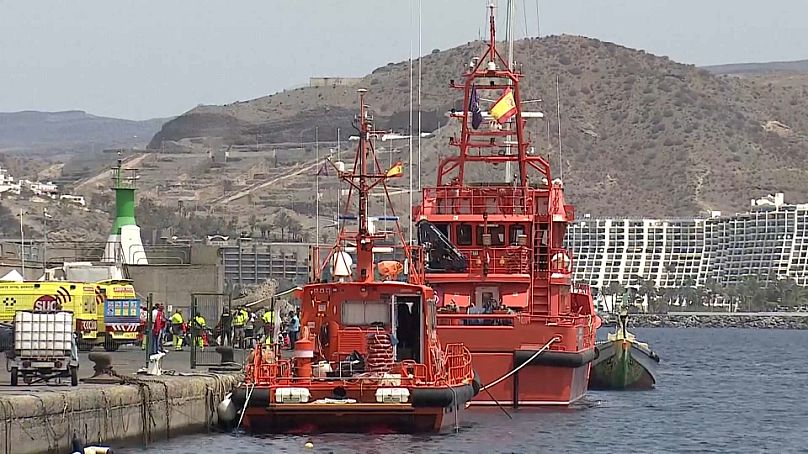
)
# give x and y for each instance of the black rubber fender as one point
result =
(476, 383)
(442, 397)
(555, 359)
(260, 397)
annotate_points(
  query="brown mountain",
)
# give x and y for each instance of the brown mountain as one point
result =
(642, 135)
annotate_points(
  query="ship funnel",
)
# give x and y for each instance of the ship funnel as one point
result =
(341, 263)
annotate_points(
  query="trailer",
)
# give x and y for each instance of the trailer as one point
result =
(45, 348)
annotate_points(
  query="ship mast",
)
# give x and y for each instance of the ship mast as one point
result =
(490, 142)
(366, 175)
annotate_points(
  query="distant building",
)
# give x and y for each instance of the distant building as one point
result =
(253, 262)
(334, 81)
(769, 241)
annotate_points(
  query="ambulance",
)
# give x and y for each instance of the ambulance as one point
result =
(46, 296)
(119, 314)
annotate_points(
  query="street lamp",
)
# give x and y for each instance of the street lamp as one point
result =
(22, 241)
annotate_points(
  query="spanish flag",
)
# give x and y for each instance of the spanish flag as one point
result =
(396, 170)
(504, 108)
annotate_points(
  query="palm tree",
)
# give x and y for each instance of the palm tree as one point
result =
(648, 290)
(283, 221)
(295, 229)
(713, 289)
(688, 292)
(615, 289)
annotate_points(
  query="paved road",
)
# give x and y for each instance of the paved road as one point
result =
(126, 361)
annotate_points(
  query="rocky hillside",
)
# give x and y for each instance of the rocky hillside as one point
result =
(642, 135)
(71, 130)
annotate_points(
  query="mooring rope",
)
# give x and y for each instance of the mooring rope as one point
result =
(517, 369)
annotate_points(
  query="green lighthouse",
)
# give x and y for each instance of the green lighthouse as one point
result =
(124, 244)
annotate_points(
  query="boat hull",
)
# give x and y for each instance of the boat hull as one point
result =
(430, 410)
(552, 378)
(350, 418)
(623, 365)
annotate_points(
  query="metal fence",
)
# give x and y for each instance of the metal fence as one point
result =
(217, 329)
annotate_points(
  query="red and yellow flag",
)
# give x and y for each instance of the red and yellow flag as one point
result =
(504, 108)
(396, 171)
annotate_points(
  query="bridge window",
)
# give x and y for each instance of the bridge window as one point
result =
(463, 235)
(497, 235)
(360, 313)
(444, 229)
(515, 232)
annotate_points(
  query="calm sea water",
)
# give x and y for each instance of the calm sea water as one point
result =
(720, 390)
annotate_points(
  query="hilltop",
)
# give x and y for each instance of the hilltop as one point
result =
(737, 69)
(71, 130)
(642, 135)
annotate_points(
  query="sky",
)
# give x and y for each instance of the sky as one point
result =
(141, 59)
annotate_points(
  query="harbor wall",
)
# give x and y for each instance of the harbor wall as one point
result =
(720, 320)
(174, 284)
(145, 411)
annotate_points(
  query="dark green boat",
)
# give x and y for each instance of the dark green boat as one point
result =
(623, 363)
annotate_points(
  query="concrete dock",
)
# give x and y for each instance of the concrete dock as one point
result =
(43, 419)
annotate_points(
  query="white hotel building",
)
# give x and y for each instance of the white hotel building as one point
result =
(771, 239)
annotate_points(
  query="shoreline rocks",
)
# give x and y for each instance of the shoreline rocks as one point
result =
(718, 320)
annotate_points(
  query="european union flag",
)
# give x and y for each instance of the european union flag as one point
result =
(474, 108)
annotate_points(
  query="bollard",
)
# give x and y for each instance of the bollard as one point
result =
(227, 362)
(103, 372)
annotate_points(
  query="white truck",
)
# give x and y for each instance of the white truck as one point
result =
(45, 348)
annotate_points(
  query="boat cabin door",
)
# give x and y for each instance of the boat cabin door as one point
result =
(408, 323)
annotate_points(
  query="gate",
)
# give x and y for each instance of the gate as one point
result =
(211, 306)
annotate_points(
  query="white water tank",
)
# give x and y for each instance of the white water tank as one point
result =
(341, 263)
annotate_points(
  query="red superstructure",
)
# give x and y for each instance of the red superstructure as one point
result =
(495, 253)
(369, 358)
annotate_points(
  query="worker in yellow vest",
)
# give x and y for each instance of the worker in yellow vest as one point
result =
(269, 325)
(239, 319)
(176, 329)
(197, 329)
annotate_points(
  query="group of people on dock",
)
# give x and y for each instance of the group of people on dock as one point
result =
(239, 328)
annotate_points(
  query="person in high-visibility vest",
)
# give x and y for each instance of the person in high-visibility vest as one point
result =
(269, 326)
(197, 327)
(176, 329)
(239, 319)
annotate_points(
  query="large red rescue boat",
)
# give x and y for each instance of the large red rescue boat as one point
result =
(495, 252)
(369, 358)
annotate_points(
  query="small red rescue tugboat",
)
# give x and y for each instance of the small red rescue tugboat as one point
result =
(369, 359)
(496, 256)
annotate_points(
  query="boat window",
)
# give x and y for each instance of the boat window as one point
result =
(463, 235)
(360, 313)
(497, 235)
(444, 229)
(515, 231)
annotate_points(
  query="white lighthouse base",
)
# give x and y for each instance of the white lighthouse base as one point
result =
(125, 248)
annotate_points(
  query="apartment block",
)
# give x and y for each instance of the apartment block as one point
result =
(769, 241)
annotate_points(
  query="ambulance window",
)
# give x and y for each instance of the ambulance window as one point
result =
(463, 235)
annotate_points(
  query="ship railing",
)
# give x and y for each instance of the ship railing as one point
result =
(494, 320)
(480, 200)
(504, 259)
(323, 258)
(260, 372)
(457, 359)
(583, 289)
